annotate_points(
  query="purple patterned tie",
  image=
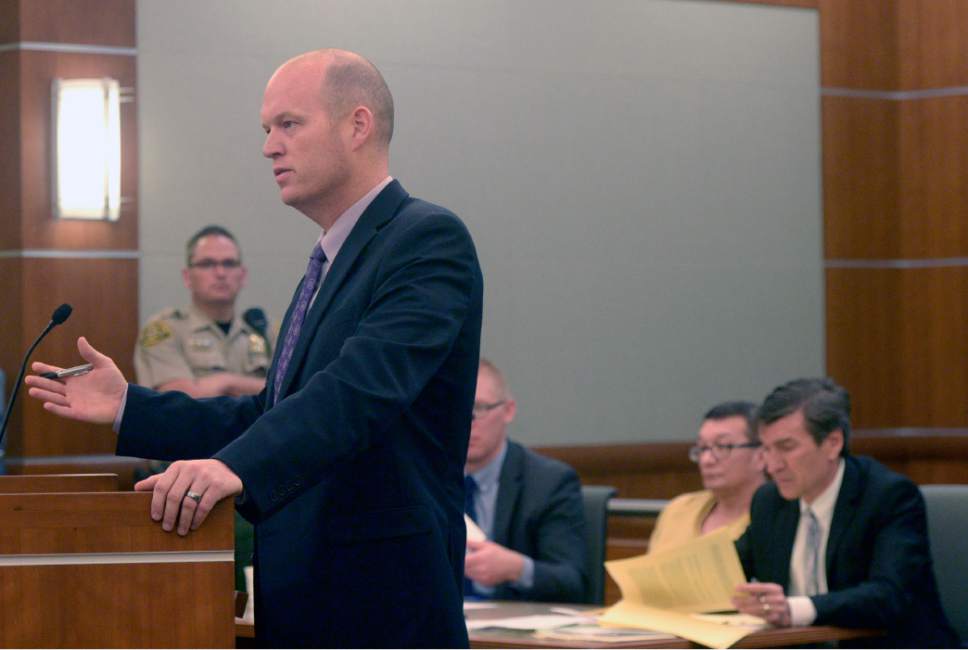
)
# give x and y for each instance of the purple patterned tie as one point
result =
(310, 282)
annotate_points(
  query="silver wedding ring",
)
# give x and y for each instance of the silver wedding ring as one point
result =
(766, 607)
(194, 496)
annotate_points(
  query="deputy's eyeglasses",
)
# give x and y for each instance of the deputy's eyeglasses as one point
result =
(481, 409)
(720, 451)
(208, 265)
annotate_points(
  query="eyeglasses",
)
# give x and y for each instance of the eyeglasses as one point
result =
(481, 408)
(719, 451)
(208, 265)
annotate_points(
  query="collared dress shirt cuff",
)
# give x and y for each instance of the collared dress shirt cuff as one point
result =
(120, 414)
(526, 581)
(802, 611)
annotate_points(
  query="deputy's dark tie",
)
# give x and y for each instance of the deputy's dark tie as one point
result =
(306, 291)
(470, 489)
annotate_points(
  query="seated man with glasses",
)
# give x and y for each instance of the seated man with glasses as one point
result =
(205, 350)
(731, 465)
(529, 507)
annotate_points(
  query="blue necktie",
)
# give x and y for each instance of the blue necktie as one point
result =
(306, 292)
(470, 489)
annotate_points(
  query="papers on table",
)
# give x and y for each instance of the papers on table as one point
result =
(721, 632)
(478, 604)
(597, 634)
(529, 623)
(665, 591)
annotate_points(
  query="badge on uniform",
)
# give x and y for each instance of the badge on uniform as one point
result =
(154, 333)
(257, 345)
(201, 343)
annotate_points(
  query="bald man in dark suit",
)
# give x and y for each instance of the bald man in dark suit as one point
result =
(350, 461)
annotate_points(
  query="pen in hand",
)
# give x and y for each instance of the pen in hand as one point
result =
(82, 369)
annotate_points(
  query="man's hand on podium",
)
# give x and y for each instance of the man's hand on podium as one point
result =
(187, 491)
(91, 397)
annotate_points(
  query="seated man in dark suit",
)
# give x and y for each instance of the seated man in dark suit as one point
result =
(528, 506)
(836, 539)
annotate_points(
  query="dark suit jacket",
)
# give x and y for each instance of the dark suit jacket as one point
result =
(879, 570)
(354, 479)
(539, 512)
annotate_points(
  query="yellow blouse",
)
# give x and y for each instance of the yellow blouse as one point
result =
(681, 520)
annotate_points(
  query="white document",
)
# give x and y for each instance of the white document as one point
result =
(478, 604)
(474, 533)
(536, 622)
(597, 634)
(249, 615)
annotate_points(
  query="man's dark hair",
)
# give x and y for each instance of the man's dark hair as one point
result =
(825, 404)
(207, 231)
(746, 410)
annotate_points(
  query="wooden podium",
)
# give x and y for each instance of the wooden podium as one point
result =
(82, 565)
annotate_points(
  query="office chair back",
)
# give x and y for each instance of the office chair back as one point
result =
(947, 507)
(595, 498)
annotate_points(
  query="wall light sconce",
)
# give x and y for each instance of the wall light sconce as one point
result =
(87, 149)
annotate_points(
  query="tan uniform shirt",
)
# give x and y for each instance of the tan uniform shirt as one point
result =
(186, 344)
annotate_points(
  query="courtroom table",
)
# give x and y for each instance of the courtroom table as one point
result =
(768, 638)
(502, 638)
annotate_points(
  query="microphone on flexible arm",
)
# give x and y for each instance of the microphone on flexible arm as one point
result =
(60, 315)
(255, 318)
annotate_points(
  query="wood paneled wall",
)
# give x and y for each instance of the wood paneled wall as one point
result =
(46, 261)
(895, 156)
(662, 470)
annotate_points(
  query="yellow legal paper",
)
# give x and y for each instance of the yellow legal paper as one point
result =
(698, 576)
(719, 632)
(666, 591)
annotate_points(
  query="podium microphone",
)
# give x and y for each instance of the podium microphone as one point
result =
(60, 315)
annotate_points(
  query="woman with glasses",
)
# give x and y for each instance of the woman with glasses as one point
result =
(732, 468)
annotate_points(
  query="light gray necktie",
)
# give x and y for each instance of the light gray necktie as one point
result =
(813, 553)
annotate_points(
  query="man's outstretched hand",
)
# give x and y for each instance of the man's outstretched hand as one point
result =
(92, 397)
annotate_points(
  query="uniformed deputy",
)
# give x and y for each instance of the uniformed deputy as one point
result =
(183, 349)
(205, 349)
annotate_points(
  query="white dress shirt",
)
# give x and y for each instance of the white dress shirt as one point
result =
(802, 611)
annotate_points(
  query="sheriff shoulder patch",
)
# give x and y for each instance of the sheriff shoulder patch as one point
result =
(154, 333)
